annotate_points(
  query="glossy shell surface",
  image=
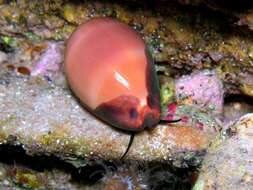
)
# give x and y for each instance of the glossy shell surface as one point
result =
(111, 71)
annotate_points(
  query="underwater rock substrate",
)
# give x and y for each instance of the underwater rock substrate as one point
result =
(47, 119)
(228, 163)
(203, 89)
(185, 39)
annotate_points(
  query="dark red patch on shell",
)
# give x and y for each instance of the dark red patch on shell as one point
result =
(122, 112)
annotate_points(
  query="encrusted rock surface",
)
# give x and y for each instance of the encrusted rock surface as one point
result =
(181, 38)
(206, 51)
(19, 177)
(228, 163)
(47, 119)
(203, 89)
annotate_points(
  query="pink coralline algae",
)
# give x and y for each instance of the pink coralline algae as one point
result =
(50, 60)
(203, 90)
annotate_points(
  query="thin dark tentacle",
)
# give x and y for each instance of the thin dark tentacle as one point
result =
(169, 121)
(129, 145)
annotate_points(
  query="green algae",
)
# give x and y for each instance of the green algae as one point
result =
(247, 89)
(69, 13)
(8, 42)
(7, 120)
(167, 92)
(60, 139)
(76, 162)
(28, 179)
(6, 124)
(32, 36)
(199, 185)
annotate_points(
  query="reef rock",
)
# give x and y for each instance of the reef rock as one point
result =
(229, 162)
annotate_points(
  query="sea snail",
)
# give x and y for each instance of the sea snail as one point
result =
(111, 71)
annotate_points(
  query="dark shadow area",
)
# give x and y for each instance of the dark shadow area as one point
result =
(4, 46)
(239, 98)
(155, 175)
(236, 106)
(232, 5)
(238, 6)
(12, 155)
